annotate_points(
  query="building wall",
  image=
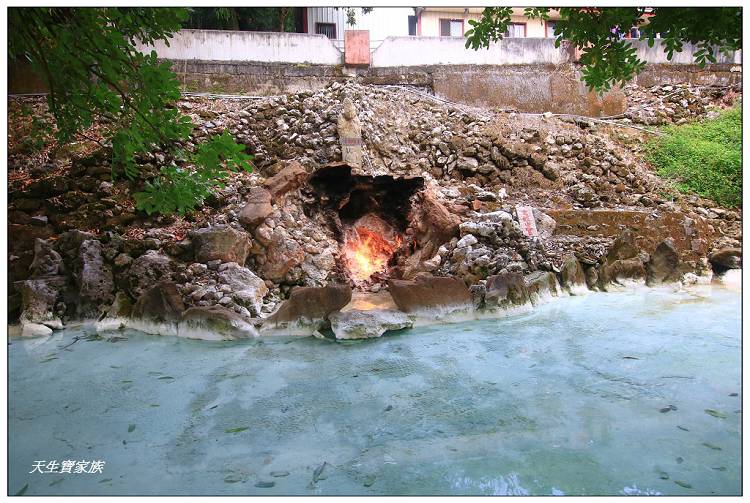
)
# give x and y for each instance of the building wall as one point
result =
(381, 22)
(270, 47)
(327, 15)
(430, 21)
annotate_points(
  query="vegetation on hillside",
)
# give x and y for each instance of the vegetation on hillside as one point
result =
(95, 72)
(703, 157)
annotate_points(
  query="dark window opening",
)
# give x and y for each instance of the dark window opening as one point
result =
(516, 30)
(327, 29)
(412, 26)
(451, 28)
(550, 27)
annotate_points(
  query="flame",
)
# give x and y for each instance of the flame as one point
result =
(367, 252)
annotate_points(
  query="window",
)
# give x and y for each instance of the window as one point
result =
(516, 30)
(327, 29)
(635, 32)
(550, 29)
(451, 28)
(412, 25)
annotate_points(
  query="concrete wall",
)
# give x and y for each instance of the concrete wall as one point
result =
(419, 51)
(657, 55)
(222, 45)
(416, 51)
(527, 88)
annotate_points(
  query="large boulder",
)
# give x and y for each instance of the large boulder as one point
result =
(70, 242)
(248, 289)
(664, 264)
(161, 303)
(147, 270)
(220, 242)
(307, 309)
(282, 254)
(541, 286)
(35, 330)
(257, 208)
(47, 262)
(121, 307)
(621, 270)
(545, 224)
(506, 290)
(623, 262)
(40, 298)
(214, 323)
(288, 179)
(727, 258)
(623, 248)
(356, 324)
(95, 281)
(433, 226)
(572, 276)
(430, 293)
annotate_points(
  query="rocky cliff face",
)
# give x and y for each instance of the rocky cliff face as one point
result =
(447, 179)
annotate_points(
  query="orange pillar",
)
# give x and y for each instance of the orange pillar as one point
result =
(357, 47)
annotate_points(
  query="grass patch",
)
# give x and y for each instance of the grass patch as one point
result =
(703, 157)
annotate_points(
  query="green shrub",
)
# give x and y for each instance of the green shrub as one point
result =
(703, 157)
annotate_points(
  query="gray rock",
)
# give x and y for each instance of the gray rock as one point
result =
(248, 289)
(356, 324)
(467, 240)
(664, 264)
(39, 298)
(429, 293)
(257, 208)
(308, 308)
(121, 307)
(47, 262)
(147, 270)
(95, 281)
(214, 323)
(123, 260)
(161, 303)
(506, 290)
(727, 258)
(541, 285)
(220, 242)
(282, 254)
(545, 224)
(35, 330)
(572, 277)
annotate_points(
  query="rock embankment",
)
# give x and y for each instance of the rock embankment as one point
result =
(264, 255)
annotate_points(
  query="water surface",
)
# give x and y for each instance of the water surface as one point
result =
(602, 394)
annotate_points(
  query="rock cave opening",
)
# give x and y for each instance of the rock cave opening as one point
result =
(369, 216)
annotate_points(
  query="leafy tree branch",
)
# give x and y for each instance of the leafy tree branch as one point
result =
(608, 58)
(94, 71)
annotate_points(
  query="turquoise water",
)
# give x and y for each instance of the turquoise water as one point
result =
(603, 394)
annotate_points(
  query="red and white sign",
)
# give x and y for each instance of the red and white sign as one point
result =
(527, 221)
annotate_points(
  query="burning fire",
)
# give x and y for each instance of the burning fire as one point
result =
(367, 252)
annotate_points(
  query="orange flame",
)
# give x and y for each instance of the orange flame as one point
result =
(366, 253)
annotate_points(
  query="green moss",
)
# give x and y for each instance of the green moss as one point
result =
(703, 157)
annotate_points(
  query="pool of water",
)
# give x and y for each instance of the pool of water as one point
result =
(618, 393)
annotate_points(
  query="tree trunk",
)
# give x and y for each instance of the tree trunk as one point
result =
(283, 13)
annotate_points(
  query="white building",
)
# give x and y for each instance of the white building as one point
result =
(382, 22)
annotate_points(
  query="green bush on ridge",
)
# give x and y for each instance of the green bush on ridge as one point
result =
(703, 157)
